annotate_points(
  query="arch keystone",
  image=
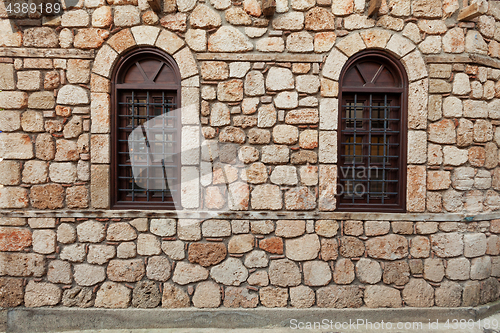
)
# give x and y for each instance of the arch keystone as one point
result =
(145, 35)
(351, 44)
(376, 38)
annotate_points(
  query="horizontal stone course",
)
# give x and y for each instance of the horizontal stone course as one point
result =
(269, 109)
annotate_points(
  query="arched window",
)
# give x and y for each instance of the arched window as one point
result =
(372, 139)
(145, 131)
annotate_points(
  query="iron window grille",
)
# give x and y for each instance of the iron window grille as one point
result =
(372, 138)
(145, 165)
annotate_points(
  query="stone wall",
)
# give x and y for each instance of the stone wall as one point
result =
(259, 123)
(146, 263)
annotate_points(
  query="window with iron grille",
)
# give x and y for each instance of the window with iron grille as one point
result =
(372, 138)
(145, 131)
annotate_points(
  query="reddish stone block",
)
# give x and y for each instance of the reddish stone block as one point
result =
(272, 245)
(14, 239)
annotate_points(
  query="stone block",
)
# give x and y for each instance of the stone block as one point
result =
(285, 134)
(100, 254)
(231, 272)
(327, 147)
(207, 295)
(377, 228)
(174, 297)
(284, 273)
(41, 294)
(11, 291)
(480, 268)
(15, 146)
(229, 39)
(458, 269)
(148, 245)
(447, 245)
(382, 297)
(303, 248)
(126, 250)
(189, 229)
(44, 241)
(390, 247)
(272, 297)
(449, 294)
(241, 244)
(10, 172)
(112, 295)
(73, 253)
(131, 270)
(368, 271)
(206, 254)
(416, 189)
(14, 239)
(474, 245)
(339, 297)
(146, 295)
(292, 21)
(49, 196)
(91, 231)
(7, 81)
(454, 41)
(418, 293)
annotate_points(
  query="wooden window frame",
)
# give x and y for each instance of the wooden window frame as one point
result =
(118, 87)
(396, 68)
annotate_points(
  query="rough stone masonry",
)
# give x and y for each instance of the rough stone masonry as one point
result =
(262, 126)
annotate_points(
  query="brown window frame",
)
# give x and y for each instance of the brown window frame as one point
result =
(149, 89)
(349, 93)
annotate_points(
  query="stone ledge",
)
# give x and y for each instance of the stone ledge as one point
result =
(46, 53)
(463, 58)
(274, 57)
(64, 319)
(256, 215)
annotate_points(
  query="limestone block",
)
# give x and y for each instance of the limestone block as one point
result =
(148, 245)
(303, 248)
(171, 43)
(266, 197)
(112, 295)
(351, 44)
(230, 272)
(88, 275)
(368, 271)
(382, 296)
(275, 154)
(229, 39)
(300, 42)
(292, 21)
(41, 294)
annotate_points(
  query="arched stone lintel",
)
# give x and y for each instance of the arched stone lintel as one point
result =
(165, 40)
(400, 47)
(418, 91)
(104, 62)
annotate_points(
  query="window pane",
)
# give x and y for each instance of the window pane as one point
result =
(354, 150)
(370, 136)
(354, 116)
(148, 146)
